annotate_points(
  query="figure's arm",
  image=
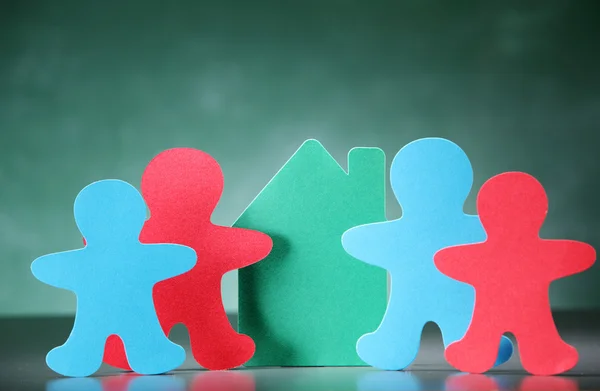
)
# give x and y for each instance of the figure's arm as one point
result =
(568, 257)
(164, 261)
(59, 269)
(463, 263)
(372, 243)
(241, 247)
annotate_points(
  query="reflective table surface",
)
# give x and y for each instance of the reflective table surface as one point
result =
(25, 342)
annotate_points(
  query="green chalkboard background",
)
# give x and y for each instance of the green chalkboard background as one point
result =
(92, 90)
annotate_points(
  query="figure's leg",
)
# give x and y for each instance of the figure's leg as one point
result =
(215, 344)
(505, 352)
(455, 324)
(114, 353)
(543, 352)
(395, 344)
(477, 351)
(456, 313)
(82, 354)
(148, 350)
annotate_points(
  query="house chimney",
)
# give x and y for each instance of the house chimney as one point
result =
(367, 167)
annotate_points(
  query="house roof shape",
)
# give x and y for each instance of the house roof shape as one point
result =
(308, 302)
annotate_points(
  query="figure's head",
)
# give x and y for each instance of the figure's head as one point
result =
(182, 180)
(512, 204)
(431, 173)
(109, 210)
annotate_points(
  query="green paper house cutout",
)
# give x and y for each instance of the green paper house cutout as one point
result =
(308, 302)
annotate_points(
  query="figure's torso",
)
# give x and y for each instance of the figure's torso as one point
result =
(414, 242)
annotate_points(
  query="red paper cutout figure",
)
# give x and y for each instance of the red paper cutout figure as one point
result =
(182, 186)
(511, 273)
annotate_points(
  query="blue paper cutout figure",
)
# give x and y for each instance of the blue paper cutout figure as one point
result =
(113, 276)
(431, 179)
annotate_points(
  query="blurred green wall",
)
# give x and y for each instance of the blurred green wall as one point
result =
(93, 90)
